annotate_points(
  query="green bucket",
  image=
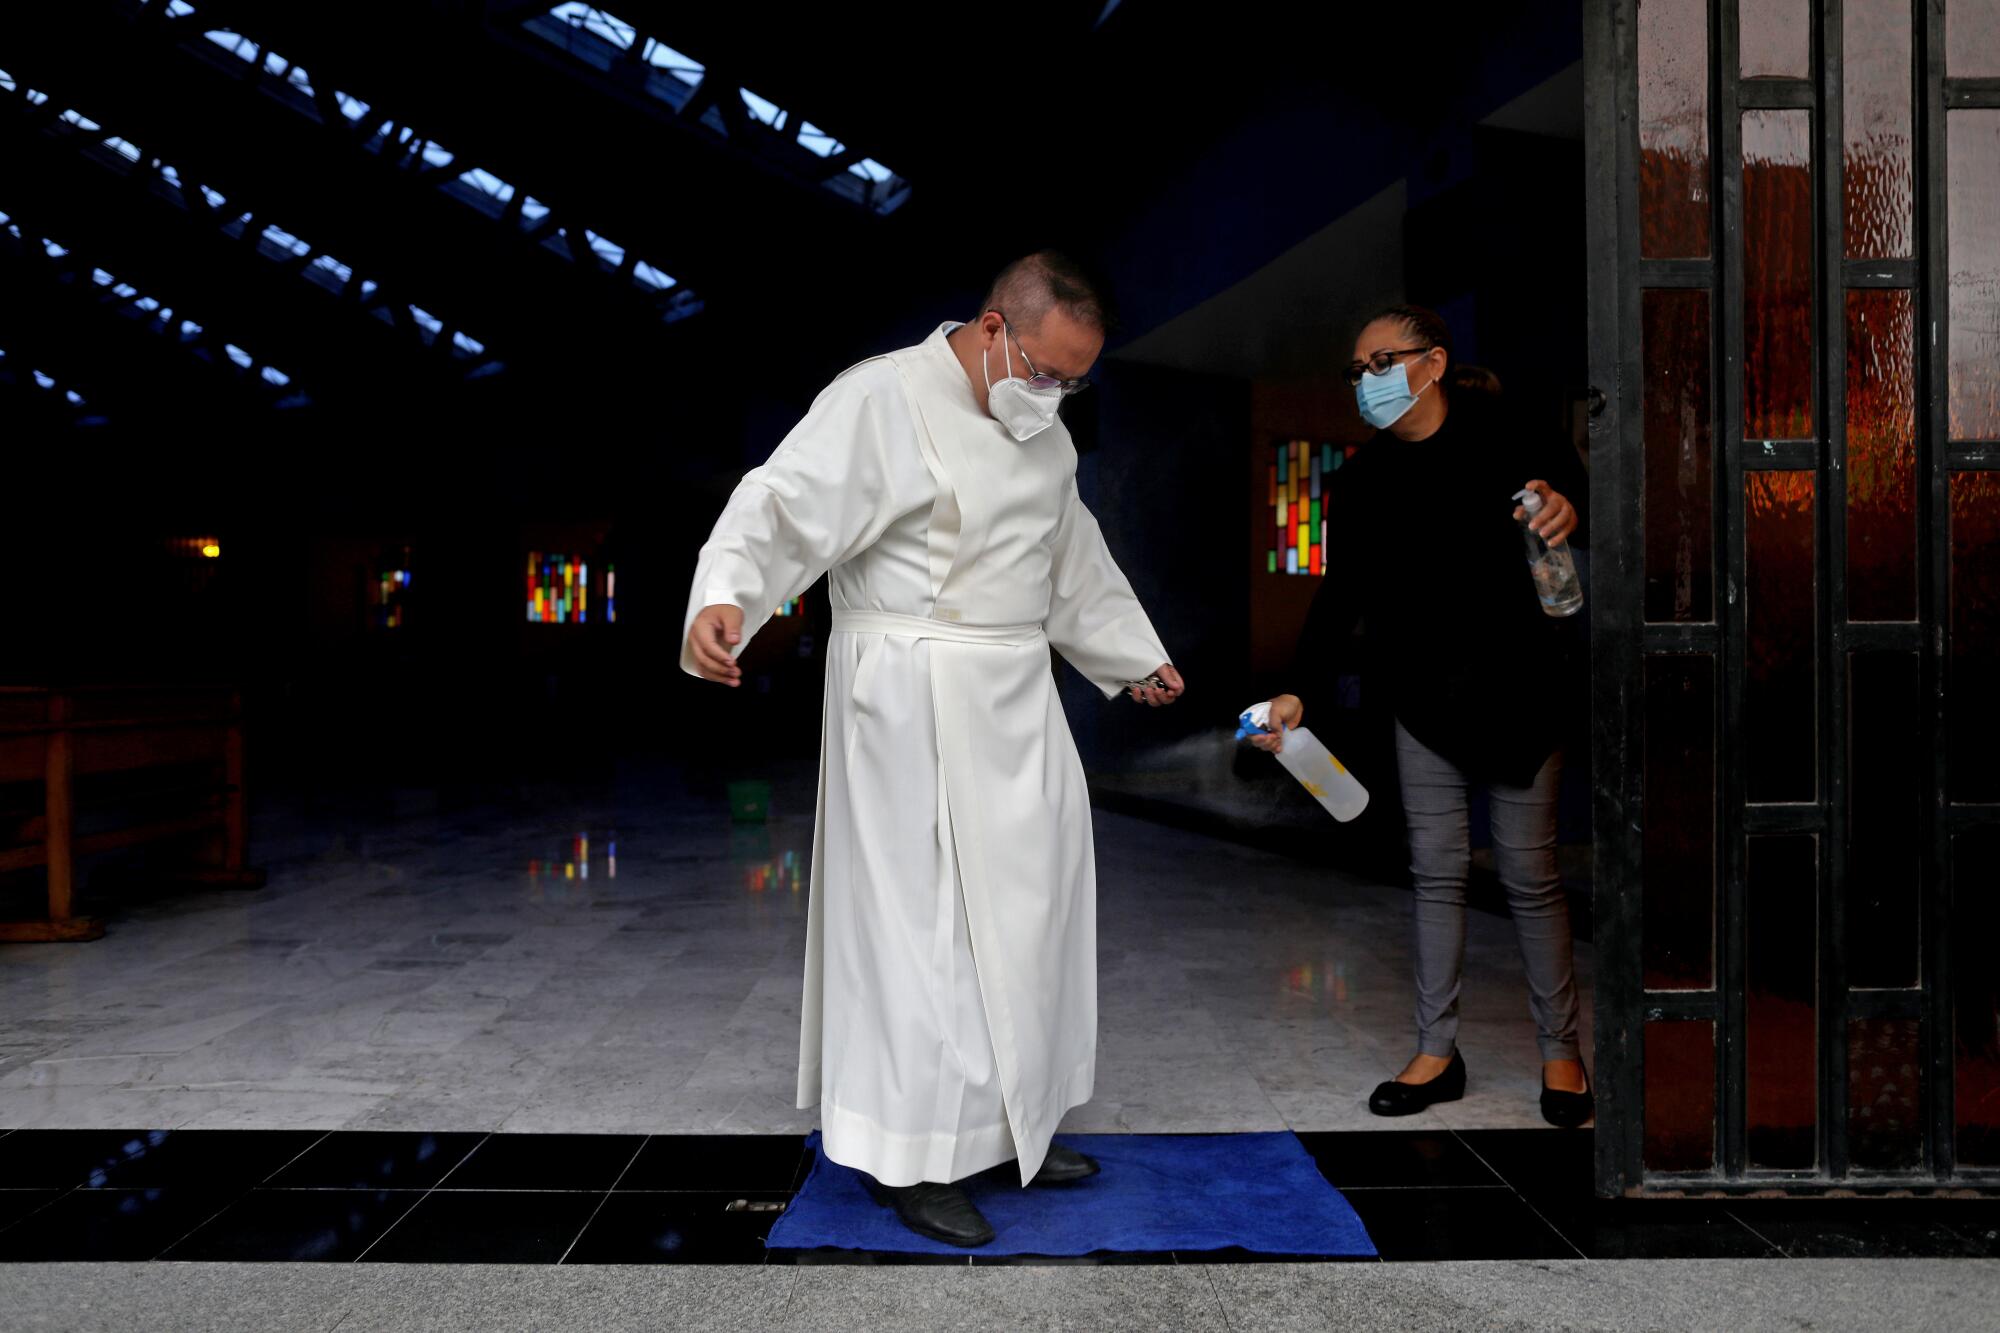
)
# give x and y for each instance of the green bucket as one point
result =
(749, 802)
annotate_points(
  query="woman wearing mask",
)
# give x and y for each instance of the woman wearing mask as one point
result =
(1476, 673)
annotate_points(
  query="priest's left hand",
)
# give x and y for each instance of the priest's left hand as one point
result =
(1159, 698)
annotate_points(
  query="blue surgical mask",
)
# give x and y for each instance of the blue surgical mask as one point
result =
(1384, 398)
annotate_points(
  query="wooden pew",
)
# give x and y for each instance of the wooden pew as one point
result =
(176, 748)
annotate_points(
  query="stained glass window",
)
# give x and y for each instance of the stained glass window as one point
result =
(792, 607)
(389, 594)
(561, 591)
(1297, 478)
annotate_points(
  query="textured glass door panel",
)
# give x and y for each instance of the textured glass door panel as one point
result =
(1885, 1101)
(1674, 191)
(1972, 300)
(1780, 721)
(1972, 746)
(1975, 986)
(1777, 275)
(1881, 455)
(1776, 38)
(1972, 39)
(1780, 1009)
(1679, 494)
(1678, 880)
(1876, 133)
(1887, 768)
(1680, 1095)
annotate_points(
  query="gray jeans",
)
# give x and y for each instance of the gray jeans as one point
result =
(1524, 852)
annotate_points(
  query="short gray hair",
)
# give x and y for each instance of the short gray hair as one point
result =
(1031, 286)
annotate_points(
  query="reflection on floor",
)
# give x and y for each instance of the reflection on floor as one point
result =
(284, 1195)
(629, 962)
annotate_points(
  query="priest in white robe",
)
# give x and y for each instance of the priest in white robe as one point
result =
(950, 1010)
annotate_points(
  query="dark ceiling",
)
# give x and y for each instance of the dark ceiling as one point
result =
(1013, 126)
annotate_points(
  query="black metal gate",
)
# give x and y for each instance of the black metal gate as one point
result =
(1795, 320)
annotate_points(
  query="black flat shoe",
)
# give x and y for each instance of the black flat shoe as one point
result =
(1567, 1110)
(1064, 1166)
(941, 1212)
(1393, 1098)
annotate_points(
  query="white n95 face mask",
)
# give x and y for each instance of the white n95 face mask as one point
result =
(1023, 409)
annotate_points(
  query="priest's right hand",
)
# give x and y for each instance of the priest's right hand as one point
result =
(1287, 711)
(716, 630)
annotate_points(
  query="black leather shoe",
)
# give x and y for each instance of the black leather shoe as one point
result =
(1064, 1166)
(942, 1212)
(1393, 1098)
(1567, 1110)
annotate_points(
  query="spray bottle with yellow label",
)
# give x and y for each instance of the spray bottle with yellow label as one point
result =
(1324, 777)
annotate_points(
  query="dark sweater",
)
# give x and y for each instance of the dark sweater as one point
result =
(1424, 550)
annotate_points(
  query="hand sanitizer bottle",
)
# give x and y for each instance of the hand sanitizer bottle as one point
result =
(1555, 572)
(1324, 777)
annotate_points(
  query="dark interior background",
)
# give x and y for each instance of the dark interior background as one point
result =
(1248, 188)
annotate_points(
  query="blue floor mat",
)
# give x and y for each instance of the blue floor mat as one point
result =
(1157, 1192)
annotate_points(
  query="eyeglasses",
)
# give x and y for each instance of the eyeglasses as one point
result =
(1037, 380)
(1379, 363)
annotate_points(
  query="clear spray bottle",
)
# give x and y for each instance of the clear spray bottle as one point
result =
(1555, 572)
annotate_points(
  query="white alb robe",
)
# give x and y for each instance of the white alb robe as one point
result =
(950, 1010)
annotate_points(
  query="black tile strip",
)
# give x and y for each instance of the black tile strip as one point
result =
(111, 1224)
(1527, 1185)
(294, 1225)
(704, 1162)
(1877, 1228)
(375, 1159)
(1446, 1223)
(1397, 1159)
(487, 1226)
(545, 1161)
(678, 1227)
(17, 1205)
(138, 1159)
(622, 1173)
(463, 1160)
(309, 1139)
(261, 1195)
(367, 1249)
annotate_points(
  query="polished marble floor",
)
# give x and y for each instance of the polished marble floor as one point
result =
(621, 959)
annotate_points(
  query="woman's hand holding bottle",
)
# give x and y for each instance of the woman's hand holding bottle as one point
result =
(1555, 519)
(1287, 711)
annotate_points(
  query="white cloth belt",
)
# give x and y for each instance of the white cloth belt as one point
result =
(923, 627)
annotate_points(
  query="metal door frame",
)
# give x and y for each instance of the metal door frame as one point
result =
(1622, 638)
